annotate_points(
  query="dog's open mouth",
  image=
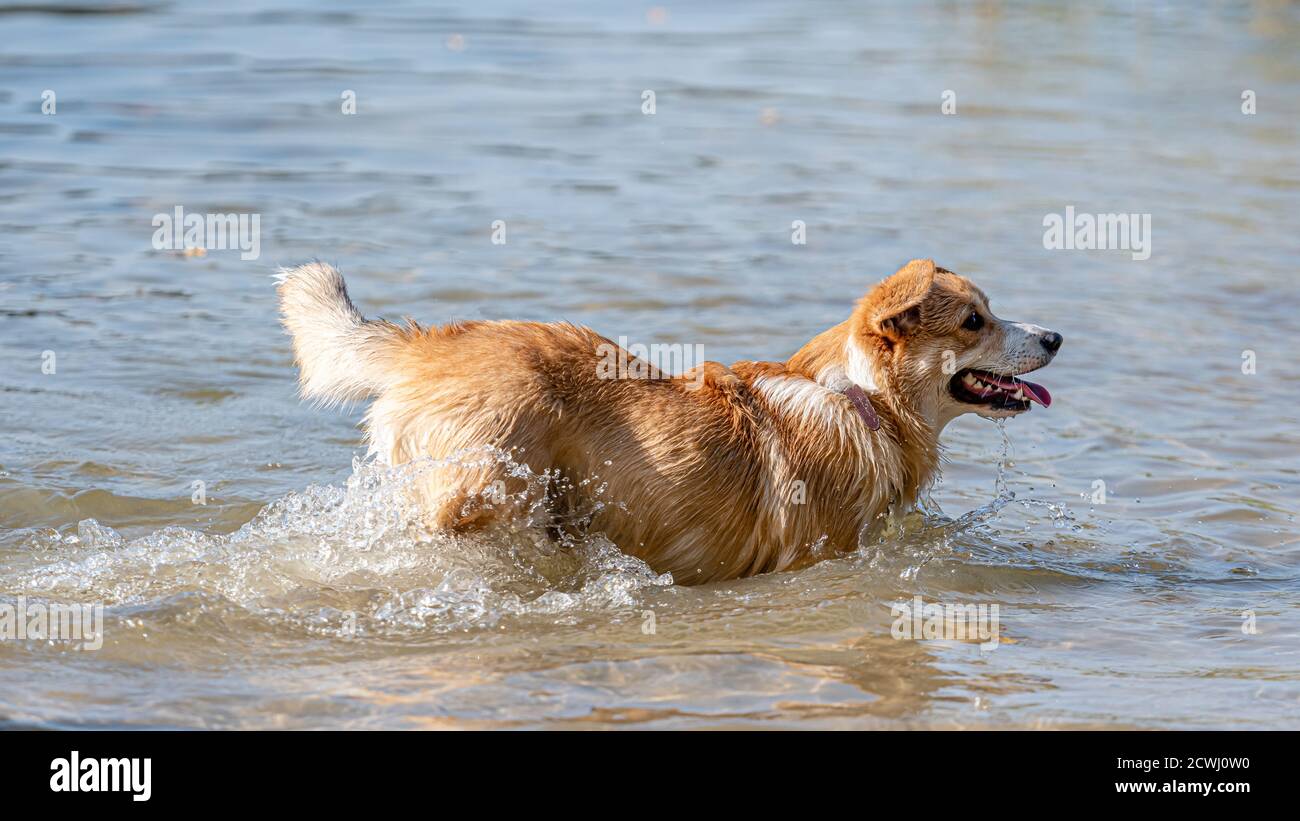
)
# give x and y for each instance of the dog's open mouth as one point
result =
(997, 392)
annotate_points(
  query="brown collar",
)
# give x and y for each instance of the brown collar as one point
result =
(858, 397)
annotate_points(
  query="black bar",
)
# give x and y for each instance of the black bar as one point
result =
(1067, 769)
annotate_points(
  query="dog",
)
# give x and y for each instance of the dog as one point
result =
(718, 473)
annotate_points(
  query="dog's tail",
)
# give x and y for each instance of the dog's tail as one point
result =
(342, 356)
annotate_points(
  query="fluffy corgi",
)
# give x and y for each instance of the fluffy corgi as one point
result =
(717, 473)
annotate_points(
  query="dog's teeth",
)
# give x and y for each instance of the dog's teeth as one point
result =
(1020, 394)
(970, 379)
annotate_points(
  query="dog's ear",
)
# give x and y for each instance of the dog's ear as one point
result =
(893, 308)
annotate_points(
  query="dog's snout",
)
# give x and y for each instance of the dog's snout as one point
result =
(1052, 341)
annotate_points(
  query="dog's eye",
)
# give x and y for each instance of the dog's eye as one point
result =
(973, 322)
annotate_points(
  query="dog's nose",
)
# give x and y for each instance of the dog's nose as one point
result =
(1052, 342)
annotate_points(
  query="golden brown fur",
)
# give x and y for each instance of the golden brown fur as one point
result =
(721, 472)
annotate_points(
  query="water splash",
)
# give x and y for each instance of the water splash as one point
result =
(356, 559)
(360, 559)
(1059, 515)
(912, 539)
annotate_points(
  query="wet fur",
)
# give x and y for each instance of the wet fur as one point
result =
(709, 466)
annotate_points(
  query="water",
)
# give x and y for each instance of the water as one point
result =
(302, 594)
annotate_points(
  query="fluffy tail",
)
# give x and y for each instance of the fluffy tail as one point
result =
(342, 356)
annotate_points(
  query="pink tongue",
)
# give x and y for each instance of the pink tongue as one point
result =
(1037, 393)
